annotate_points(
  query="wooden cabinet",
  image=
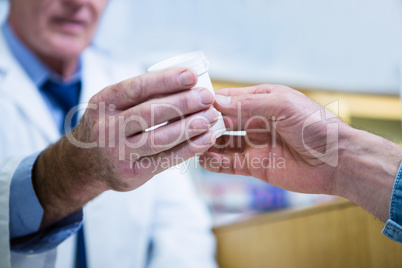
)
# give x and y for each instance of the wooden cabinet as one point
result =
(337, 234)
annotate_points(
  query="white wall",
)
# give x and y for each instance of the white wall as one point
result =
(349, 45)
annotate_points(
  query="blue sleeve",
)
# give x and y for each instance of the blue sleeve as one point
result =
(393, 227)
(25, 211)
(26, 215)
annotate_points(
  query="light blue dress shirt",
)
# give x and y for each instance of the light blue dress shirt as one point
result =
(393, 227)
(25, 210)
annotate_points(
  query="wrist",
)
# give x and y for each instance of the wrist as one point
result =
(366, 172)
(60, 183)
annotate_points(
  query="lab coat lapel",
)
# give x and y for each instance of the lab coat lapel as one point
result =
(18, 86)
(95, 77)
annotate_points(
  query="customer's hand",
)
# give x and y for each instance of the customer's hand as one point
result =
(110, 149)
(294, 143)
(277, 146)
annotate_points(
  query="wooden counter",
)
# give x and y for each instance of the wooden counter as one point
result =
(337, 234)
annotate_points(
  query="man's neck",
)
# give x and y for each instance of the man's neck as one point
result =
(64, 67)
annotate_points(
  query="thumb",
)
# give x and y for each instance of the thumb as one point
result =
(246, 105)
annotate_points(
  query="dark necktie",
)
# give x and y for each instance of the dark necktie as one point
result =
(67, 96)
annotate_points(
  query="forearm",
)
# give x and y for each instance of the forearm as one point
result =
(367, 168)
(59, 182)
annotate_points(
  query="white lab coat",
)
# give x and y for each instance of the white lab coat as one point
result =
(120, 228)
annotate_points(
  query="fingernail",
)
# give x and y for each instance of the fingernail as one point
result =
(222, 100)
(211, 115)
(208, 138)
(206, 97)
(187, 78)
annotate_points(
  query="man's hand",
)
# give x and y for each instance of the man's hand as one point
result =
(110, 147)
(296, 144)
(273, 118)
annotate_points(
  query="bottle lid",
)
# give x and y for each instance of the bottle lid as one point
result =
(194, 60)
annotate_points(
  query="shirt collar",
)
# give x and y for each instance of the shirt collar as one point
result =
(36, 70)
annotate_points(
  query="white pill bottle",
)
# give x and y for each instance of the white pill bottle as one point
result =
(198, 62)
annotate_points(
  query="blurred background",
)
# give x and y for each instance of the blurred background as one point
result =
(335, 44)
(347, 51)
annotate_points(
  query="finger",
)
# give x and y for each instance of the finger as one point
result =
(157, 111)
(228, 144)
(172, 134)
(148, 166)
(235, 164)
(276, 100)
(237, 91)
(133, 91)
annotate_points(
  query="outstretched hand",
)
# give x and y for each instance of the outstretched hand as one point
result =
(298, 145)
(290, 141)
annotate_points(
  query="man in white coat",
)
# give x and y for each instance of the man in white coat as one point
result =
(43, 189)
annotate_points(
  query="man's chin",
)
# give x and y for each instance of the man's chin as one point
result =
(68, 48)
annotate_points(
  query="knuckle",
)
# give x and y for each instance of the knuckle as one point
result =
(199, 123)
(248, 100)
(134, 168)
(280, 88)
(168, 80)
(189, 151)
(157, 116)
(97, 126)
(134, 89)
(263, 89)
(159, 140)
(287, 100)
(290, 100)
(149, 147)
(183, 103)
(146, 149)
(144, 113)
(100, 96)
